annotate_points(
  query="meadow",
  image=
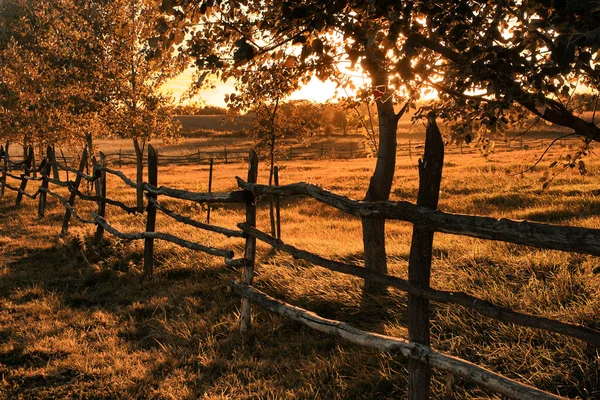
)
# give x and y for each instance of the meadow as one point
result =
(76, 322)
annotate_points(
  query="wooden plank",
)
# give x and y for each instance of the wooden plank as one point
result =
(277, 202)
(101, 196)
(483, 307)
(545, 236)
(6, 158)
(250, 248)
(45, 172)
(26, 172)
(162, 236)
(210, 177)
(474, 373)
(419, 264)
(197, 224)
(151, 214)
(74, 189)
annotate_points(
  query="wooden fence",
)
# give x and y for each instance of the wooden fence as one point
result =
(317, 151)
(424, 215)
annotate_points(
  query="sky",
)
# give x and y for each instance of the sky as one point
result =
(315, 90)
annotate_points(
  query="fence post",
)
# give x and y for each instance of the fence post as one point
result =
(351, 150)
(151, 214)
(101, 193)
(199, 158)
(250, 250)
(45, 172)
(26, 172)
(4, 169)
(277, 202)
(290, 153)
(210, 176)
(55, 174)
(322, 150)
(419, 265)
(73, 195)
(226, 155)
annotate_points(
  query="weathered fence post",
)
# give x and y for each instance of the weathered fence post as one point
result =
(73, 194)
(419, 265)
(210, 176)
(45, 172)
(55, 174)
(199, 158)
(277, 202)
(226, 161)
(101, 193)
(250, 250)
(26, 173)
(65, 161)
(4, 169)
(151, 214)
(290, 153)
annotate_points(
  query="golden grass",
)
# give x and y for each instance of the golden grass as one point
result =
(75, 321)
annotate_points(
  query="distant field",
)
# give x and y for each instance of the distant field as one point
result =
(196, 123)
(75, 322)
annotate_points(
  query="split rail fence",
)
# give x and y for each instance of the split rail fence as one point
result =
(423, 215)
(319, 151)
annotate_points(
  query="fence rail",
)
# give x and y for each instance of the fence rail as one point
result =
(425, 218)
(314, 151)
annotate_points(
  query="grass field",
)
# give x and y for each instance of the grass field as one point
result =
(75, 321)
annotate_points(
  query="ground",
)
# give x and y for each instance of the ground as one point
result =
(76, 322)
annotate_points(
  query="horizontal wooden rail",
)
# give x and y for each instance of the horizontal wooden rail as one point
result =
(484, 307)
(18, 190)
(89, 178)
(121, 175)
(121, 205)
(546, 236)
(66, 204)
(465, 369)
(188, 221)
(162, 236)
(225, 197)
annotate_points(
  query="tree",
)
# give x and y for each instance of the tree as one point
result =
(136, 69)
(49, 70)
(304, 39)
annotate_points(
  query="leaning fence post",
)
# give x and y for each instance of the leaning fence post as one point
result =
(419, 264)
(250, 250)
(151, 214)
(45, 172)
(73, 189)
(277, 202)
(210, 176)
(4, 169)
(101, 193)
(26, 172)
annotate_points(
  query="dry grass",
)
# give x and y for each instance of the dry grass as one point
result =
(75, 321)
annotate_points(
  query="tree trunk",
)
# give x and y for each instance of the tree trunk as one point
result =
(139, 158)
(379, 189)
